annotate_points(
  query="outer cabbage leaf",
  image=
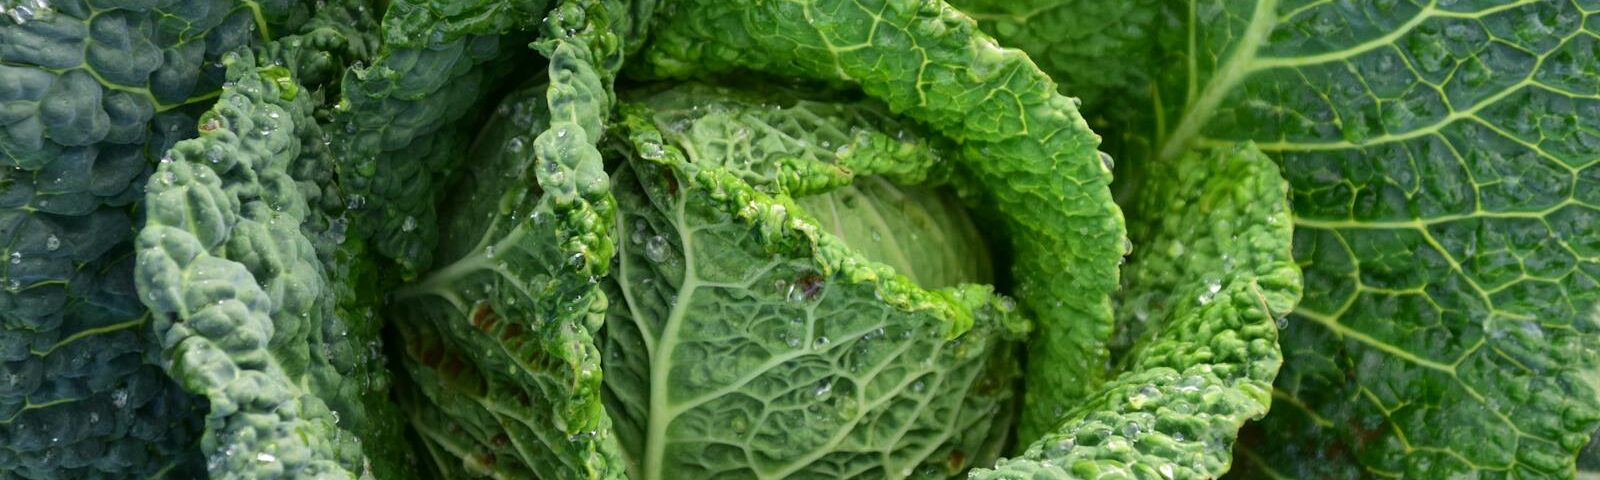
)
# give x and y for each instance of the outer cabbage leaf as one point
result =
(745, 341)
(478, 410)
(1442, 161)
(1589, 460)
(93, 95)
(1031, 154)
(1204, 293)
(409, 115)
(401, 140)
(500, 341)
(1102, 53)
(233, 267)
(1442, 158)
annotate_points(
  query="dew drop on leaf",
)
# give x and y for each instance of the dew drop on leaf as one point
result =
(655, 249)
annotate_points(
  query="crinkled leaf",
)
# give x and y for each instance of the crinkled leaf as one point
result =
(745, 340)
(1442, 161)
(1209, 280)
(499, 340)
(1100, 52)
(93, 95)
(1030, 154)
(554, 242)
(241, 294)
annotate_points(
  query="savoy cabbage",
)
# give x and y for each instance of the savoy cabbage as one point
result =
(663, 239)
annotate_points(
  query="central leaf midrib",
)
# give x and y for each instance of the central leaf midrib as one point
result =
(659, 417)
(1226, 76)
(1243, 62)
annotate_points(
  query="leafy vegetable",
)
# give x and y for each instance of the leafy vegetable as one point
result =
(243, 307)
(93, 96)
(750, 342)
(1441, 160)
(1204, 300)
(659, 239)
(1029, 151)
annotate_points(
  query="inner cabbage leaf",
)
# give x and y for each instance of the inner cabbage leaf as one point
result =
(745, 340)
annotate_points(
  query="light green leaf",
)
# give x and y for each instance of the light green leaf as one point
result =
(1028, 151)
(500, 340)
(745, 340)
(242, 302)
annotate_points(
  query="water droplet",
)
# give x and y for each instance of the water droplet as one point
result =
(119, 398)
(843, 151)
(823, 390)
(21, 14)
(1191, 384)
(514, 145)
(919, 386)
(651, 150)
(1062, 447)
(16, 258)
(820, 343)
(655, 249)
(1107, 161)
(265, 457)
(409, 224)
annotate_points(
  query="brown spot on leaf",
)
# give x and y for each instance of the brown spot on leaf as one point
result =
(808, 286)
(430, 355)
(483, 316)
(511, 332)
(957, 460)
